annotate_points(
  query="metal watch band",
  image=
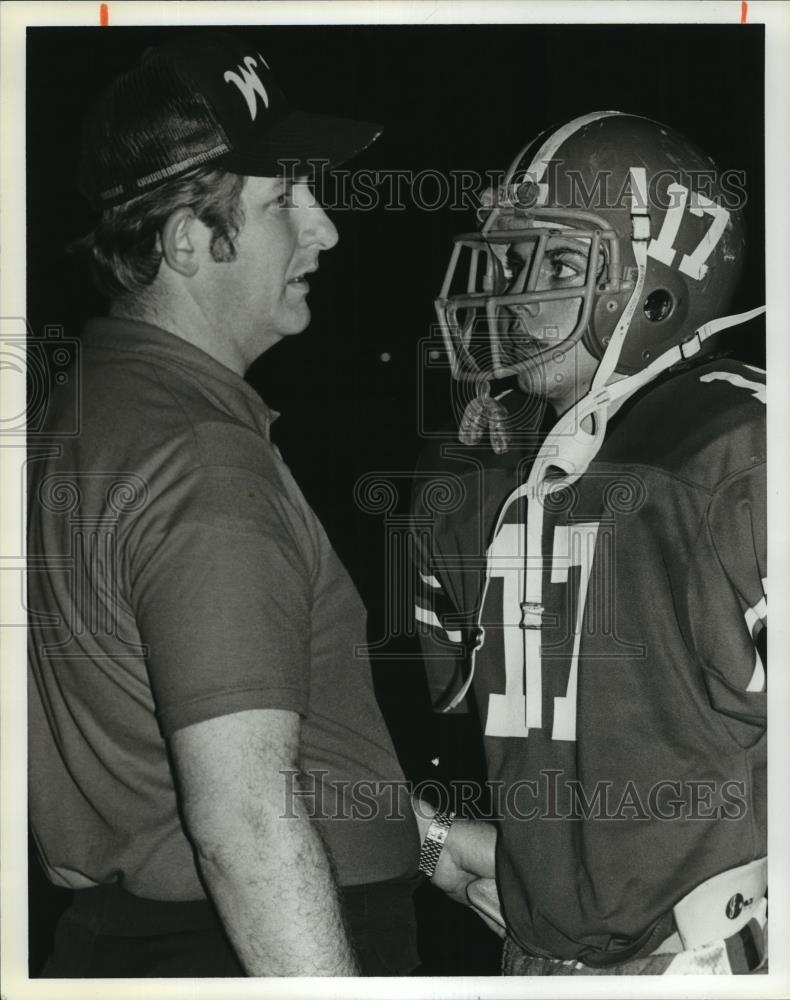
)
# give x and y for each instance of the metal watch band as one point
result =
(434, 842)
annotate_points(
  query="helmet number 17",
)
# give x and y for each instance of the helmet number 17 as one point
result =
(662, 248)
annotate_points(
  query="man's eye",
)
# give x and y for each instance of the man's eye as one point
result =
(285, 199)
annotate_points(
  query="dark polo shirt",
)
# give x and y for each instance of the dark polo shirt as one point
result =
(178, 574)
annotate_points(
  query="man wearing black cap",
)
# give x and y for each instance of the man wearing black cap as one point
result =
(200, 725)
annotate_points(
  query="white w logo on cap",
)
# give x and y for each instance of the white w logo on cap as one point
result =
(249, 83)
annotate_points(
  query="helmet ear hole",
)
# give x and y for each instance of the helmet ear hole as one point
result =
(658, 305)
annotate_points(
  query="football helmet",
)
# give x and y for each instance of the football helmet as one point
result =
(614, 223)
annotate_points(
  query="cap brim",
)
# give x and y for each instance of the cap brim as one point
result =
(301, 143)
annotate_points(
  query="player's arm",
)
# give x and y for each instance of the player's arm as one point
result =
(441, 643)
(263, 861)
(727, 597)
(467, 863)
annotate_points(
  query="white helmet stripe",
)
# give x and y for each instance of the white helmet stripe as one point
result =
(546, 152)
(544, 155)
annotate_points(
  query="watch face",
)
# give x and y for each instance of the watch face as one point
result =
(434, 842)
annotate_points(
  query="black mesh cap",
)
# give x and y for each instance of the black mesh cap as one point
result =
(207, 98)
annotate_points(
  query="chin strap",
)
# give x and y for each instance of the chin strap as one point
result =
(482, 412)
(640, 237)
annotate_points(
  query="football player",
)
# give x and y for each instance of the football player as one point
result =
(600, 586)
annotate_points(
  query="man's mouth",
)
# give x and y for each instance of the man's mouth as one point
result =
(300, 280)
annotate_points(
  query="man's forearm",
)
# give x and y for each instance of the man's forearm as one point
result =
(273, 886)
(468, 854)
(471, 843)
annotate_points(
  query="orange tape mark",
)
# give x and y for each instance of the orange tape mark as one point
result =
(744, 11)
(104, 15)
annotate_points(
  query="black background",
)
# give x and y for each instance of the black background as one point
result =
(449, 97)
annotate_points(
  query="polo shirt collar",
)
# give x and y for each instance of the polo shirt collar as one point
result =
(132, 336)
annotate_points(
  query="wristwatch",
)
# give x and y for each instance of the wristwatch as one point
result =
(434, 842)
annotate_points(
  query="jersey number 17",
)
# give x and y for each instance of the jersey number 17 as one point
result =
(520, 708)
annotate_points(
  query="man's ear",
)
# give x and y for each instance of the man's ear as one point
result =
(179, 242)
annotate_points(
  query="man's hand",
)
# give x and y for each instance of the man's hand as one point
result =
(468, 854)
(483, 897)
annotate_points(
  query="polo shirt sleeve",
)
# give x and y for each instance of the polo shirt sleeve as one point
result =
(222, 596)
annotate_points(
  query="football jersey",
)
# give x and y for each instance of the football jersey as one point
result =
(624, 720)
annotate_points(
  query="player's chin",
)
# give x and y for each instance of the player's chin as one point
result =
(533, 378)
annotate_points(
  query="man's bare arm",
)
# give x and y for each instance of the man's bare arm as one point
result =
(268, 875)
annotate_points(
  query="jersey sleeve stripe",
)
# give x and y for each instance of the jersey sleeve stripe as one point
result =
(430, 618)
(756, 614)
(757, 682)
(755, 622)
(757, 389)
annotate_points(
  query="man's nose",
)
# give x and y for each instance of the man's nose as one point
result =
(316, 226)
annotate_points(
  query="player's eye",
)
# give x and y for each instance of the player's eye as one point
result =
(565, 263)
(564, 267)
